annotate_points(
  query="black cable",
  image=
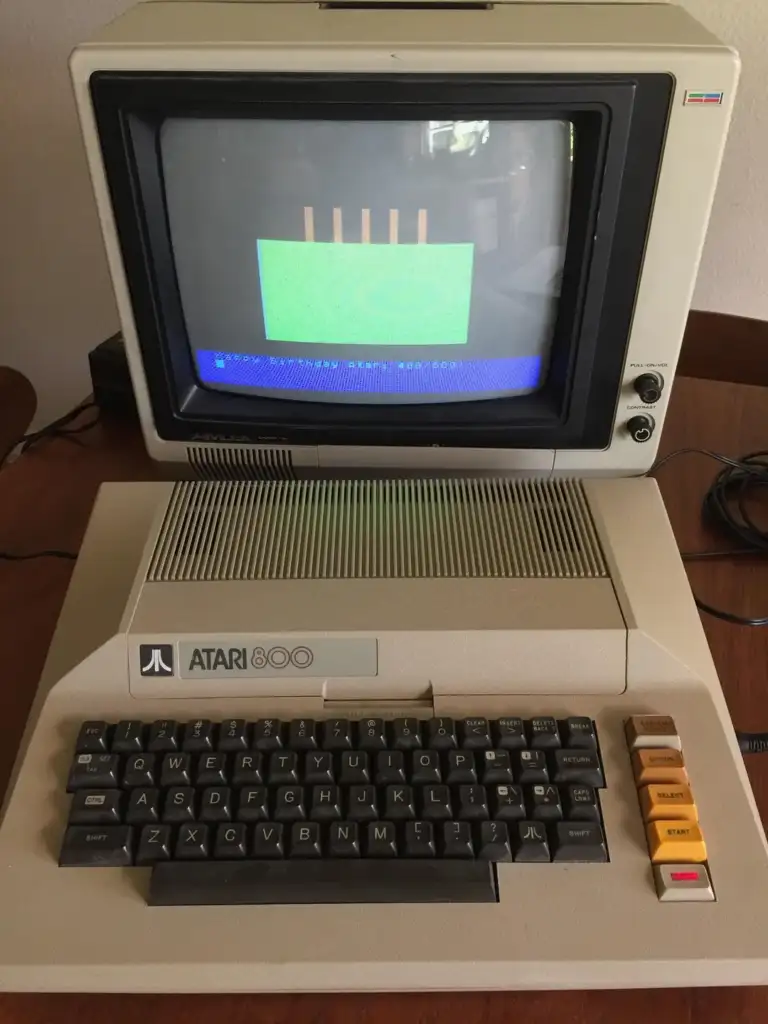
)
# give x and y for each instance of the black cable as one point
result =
(752, 742)
(8, 556)
(58, 428)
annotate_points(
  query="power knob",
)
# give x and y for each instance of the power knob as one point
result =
(649, 387)
(641, 428)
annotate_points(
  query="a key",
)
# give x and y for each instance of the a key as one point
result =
(581, 804)
(461, 767)
(390, 767)
(253, 804)
(326, 803)
(96, 807)
(283, 768)
(578, 766)
(198, 736)
(179, 805)
(398, 803)
(473, 805)
(493, 841)
(305, 840)
(457, 840)
(337, 734)
(344, 839)
(371, 734)
(93, 738)
(231, 842)
(532, 766)
(419, 839)
(289, 804)
(509, 734)
(163, 737)
(233, 736)
(176, 770)
(497, 767)
(154, 844)
(143, 807)
(545, 802)
(318, 768)
(579, 842)
(139, 771)
(246, 769)
(441, 734)
(425, 767)
(578, 732)
(302, 734)
(406, 734)
(475, 734)
(128, 737)
(212, 770)
(267, 735)
(353, 770)
(97, 846)
(362, 804)
(435, 803)
(193, 842)
(544, 733)
(508, 803)
(268, 841)
(530, 842)
(93, 771)
(216, 804)
(381, 839)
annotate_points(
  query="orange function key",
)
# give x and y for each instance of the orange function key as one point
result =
(676, 842)
(662, 802)
(656, 765)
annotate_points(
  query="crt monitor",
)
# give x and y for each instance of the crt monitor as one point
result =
(404, 237)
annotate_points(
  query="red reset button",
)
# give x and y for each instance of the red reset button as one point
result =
(683, 883)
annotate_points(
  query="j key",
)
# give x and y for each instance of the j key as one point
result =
(578, 766)
(381, 839)
(305, 840)
(406, 734)
(246, 770)
(436, 803)
(198, 736)
(508, 803)
(581, 804)
(579, 842)
(139, 771)
(545, 803)
(390, 767)
(268, 841)
(212, 770)
(128, 737)
(179, 805)
(289, 804)
(497, 767)
(93, 738)
(193, 842)
(163, 737)
(353, 769)
(96, 846)
(318, 768)
(532, 766)
(372, 734)
(425, 767)
(473, 805)
(302, 734)
(267, 735)
(457, 840)
(475, 734)
(326, 803)
(283, 768)
(93, 771)
(233, 736)
(230, 842)
(362, 804)
(143, 807)
(216, 804)
(530, 842)
(441, 734)
(398, 803)
(344, 839)
(493, 841)
(419, 839)
(544, 734)
(154, 844)
(176, 770)
(96, 807)
(337, 734)
(461, 767)
(509, 734)
(578, 732)
(253, 804)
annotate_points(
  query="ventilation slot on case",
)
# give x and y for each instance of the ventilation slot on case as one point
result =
(241, 463)
(358, 529)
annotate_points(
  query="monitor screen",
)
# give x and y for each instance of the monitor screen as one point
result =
(370, 262)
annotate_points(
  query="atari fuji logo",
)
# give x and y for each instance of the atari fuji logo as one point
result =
(156, 659)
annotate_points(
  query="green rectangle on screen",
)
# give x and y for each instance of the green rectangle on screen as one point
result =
(354, 293)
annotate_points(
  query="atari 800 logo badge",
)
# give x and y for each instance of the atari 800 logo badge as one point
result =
(156, 659)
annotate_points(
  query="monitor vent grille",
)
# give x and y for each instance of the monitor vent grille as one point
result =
(360, 529)
(240, 463)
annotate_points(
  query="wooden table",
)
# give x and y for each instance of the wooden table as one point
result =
(45, 499)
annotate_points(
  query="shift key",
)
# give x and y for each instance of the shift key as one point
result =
(105, 846)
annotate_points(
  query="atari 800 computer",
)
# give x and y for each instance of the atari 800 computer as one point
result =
(398, 683)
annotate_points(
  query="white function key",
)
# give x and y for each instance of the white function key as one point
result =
(644, 731)
(683, 883)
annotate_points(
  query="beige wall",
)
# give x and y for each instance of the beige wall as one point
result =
(55, 298)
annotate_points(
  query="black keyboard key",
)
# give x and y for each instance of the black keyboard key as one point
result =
(581, 804)
(544, 733)
(212, 770)
(579, 842)
(372, 734)
(532, 767)
(139, 771)
(326, 803)
(461, 767)
(143, 807)
(381, 839)
(193, 842)
(246, 769)
(509, 734)
(473, 804)
(419, 839)
(493, 841)
(305, 840)
(579, 733)
(128, 737)
(390, 767)
(233, 736)
(354, 768)
(441, 734)
(362, 804)
(337, 734)
(436, 803)
(176, 770)
(154, 844)
(318, 768)
(268, 841)
(253, 804)
(425, 767)
(216, 804)
(530, 842)
(398, 803)
(581, 766)
(97, 846)
(283, 768)
(302, 734)
(198, 736)
(475, 734)
(163, 737)
(344, 839)
(406, 734)
(94, 771)
(508, 803)
(93, 738)
(231, 842)
(546, 804)
(457, 840)
(267, 735)
(179, 805)
(497, 767)
(96, 807)
(289, 804)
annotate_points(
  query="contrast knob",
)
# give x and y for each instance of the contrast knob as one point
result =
(649, 387)
(641, 428)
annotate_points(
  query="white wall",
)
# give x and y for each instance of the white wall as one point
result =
(55, 298)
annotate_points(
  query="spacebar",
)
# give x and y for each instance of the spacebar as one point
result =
(230, 883)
